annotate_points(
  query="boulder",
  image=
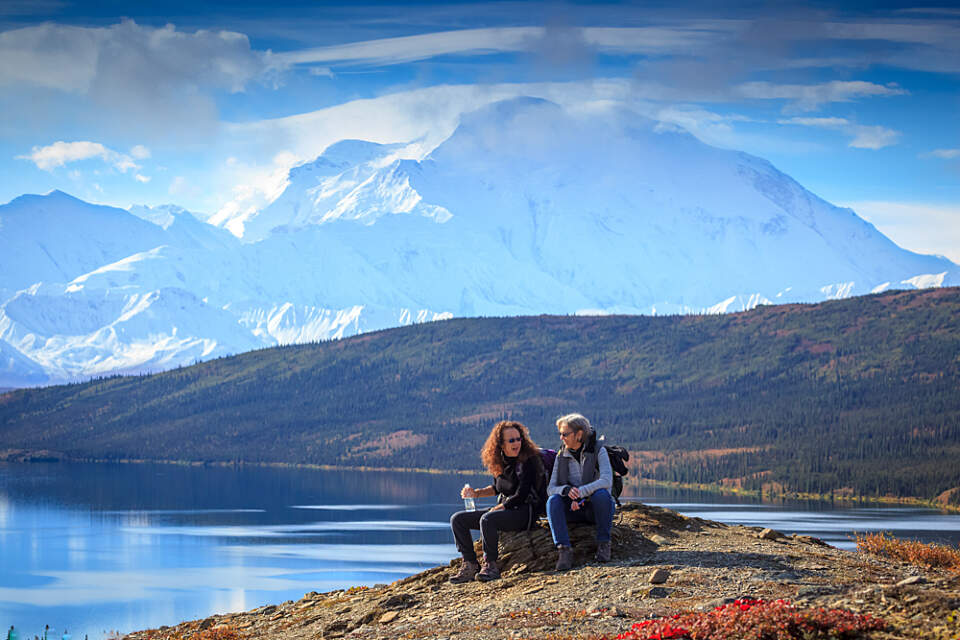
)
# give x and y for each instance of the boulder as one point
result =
(659, 576)
(533, 550)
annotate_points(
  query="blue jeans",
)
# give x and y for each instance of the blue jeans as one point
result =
(598, 509)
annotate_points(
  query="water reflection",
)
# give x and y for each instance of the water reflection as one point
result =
(95, 547)
(835, 523)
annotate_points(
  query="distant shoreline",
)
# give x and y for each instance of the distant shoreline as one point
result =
(629, 481)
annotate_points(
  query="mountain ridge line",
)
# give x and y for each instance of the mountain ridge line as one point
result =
(835, 391)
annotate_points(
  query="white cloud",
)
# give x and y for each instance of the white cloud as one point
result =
(713, 128)
(418, 47)
(324, 72)
(425, 117)
(140, 152)
(810, 97)
(829, 122)
(157, 83)
(62, 153)
(489, 41)
(79, 59)
(921, 227)
(258, 187)
(142, 179)
(874, 137)
(943, 154)
(864, 136)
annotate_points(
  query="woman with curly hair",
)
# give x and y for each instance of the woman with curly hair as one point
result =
(519, 482)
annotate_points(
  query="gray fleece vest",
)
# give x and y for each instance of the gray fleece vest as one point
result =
(588, 463)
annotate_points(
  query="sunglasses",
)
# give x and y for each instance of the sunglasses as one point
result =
(512, 440)
(566, 434)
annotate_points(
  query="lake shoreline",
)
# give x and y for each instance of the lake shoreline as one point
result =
(763, 496)
(664, 564)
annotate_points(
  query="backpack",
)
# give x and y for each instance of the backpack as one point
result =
(549, 456)
(618, 463)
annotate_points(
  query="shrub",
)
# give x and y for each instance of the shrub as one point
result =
(918, 553)
(755, 620)
(221, 632)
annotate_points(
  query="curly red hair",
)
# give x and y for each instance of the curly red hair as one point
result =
(492, 452)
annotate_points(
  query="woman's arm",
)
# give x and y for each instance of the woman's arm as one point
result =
(485, 492)
(604, 477)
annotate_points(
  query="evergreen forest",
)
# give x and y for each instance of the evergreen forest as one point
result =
(858, 396)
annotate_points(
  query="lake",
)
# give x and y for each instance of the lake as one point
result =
(98, 548)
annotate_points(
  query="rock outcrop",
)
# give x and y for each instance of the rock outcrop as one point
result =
(663, 563)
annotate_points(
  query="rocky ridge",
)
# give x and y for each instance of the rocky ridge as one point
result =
(663, 563)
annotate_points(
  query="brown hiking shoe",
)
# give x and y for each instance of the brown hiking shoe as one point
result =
(603, 551)
(467, 572)
(564, 558)
(489, 572)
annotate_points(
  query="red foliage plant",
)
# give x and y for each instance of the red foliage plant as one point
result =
(755, 620)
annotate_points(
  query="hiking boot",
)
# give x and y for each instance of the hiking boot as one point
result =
(564, 558)
(467, 571)
(489, 572)
(603, 551)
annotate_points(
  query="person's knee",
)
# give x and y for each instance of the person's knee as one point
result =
(603, 494)
(488, 519)
(553, 500)
(457, 519)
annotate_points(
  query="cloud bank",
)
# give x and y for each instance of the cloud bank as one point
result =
(61, 153)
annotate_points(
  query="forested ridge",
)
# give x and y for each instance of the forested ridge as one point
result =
(860, 394)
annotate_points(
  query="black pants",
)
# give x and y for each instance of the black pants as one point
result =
(490, 524)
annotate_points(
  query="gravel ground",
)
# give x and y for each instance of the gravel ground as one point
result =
(702, 564)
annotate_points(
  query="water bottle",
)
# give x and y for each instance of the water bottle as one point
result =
(469, 504)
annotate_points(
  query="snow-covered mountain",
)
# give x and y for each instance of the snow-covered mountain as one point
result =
(525, 209)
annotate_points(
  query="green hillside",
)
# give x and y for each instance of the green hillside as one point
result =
(861, 393)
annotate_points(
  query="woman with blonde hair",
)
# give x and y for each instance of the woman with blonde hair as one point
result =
(519, 482)
(579, 488)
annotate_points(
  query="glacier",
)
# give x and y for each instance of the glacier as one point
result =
(524, 209)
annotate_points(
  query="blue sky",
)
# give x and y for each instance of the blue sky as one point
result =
(206, 105)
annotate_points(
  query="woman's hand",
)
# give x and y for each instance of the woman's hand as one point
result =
(469, 492)
(498, 507)
(574, 493)
(575, 505)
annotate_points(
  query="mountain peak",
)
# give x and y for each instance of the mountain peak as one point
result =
(525, 209)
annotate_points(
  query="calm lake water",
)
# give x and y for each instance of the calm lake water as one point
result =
(97, 548)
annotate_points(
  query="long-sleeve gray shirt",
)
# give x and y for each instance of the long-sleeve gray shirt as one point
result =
(604, 479)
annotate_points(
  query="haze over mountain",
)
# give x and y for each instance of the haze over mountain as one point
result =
(524, 209)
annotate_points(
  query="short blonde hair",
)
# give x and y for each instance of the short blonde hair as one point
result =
(576, 422)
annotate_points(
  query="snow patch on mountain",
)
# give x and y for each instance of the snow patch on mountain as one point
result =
(926, 280)
(838, 291)
(524, 209)
(82, 333)
(17, 369)
(293, 324)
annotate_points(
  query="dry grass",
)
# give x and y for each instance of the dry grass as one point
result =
(219, 632)
(918, 553)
